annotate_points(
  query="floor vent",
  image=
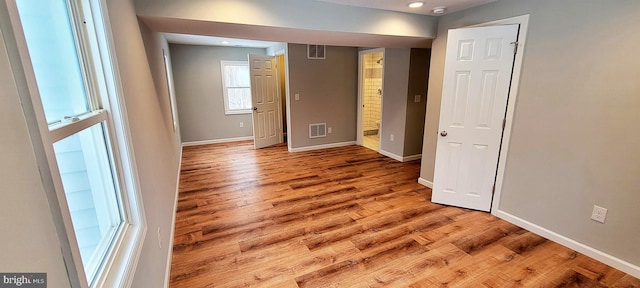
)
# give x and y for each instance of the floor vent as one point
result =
(316, 52)
(318, 130)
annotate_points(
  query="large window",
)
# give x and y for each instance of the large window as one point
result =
(236, 87)
(67, 47)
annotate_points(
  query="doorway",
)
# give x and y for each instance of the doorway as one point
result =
(282, 82)
(370, 98)
(486, 183)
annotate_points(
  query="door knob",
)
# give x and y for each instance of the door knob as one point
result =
(255, 108)
(443, 133)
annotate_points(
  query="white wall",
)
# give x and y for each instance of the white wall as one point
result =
(574, 141)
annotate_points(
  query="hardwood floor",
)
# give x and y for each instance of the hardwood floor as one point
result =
(348, 217)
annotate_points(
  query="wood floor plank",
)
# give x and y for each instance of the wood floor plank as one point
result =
(348, 217)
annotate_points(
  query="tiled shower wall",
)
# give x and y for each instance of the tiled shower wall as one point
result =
(372, 92)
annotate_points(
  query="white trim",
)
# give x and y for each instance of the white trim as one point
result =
(605, 258)
(390, 155)
(411, 157)
(523, 21)
(225, 89)
(173, 224)
(287, 92)
(425, 182)
(323, 146)
(216, 141)
(400, 158)
(47, 166)
(134, 240)
(359, 128)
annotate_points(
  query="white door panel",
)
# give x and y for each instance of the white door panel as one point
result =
(478, 68)
(265, 100)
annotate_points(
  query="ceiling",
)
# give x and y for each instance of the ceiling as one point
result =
(402, 5)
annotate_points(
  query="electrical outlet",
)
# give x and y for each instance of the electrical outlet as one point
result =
(416, 98)
(241, 124)
(599, 213)
(329, 130)
(159, 239)
(392, 138)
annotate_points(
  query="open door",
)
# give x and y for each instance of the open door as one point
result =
(267, 127)
(477, 76)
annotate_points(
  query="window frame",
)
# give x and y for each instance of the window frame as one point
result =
(225, 88)
(96, 53)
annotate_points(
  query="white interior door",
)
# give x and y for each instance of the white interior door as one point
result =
(266, 101)
(478, 67)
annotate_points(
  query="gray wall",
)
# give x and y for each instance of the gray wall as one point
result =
(154, 144)
(198, 84)
(394, 99)
(29, 242)
(154, 44)
(292, 14)
(328, 94)
(574, 141)
(418, 77)
(405, 75)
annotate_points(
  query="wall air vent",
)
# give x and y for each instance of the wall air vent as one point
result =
(316, 52)
(318, 130)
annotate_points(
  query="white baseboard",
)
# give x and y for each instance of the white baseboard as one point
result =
(323, 146)
(411, 157)
(603, 257)
(400, 158)
(425, 182)
(173, 225)
(390, 155)
(216, 141)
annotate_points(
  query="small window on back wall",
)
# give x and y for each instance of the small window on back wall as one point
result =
(236, 87)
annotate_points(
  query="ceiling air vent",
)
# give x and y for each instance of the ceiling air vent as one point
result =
(318, 130)
(316, 52)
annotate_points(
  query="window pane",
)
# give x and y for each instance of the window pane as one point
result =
(54, 57)
(86, 172)
(239, 98)
(237, 76)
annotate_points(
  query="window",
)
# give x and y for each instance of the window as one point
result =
(76, 100)
(236, 87)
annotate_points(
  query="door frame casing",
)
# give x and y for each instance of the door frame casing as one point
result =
(523, 21)
(359, 129)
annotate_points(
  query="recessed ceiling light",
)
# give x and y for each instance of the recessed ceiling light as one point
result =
(225, 42)
(416, 4)
(439, 10)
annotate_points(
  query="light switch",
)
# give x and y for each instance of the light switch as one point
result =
(416, 98)
(297, 96)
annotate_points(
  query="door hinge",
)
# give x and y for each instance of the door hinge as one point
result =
(493, 190)
(504, 123)
(515, 47)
